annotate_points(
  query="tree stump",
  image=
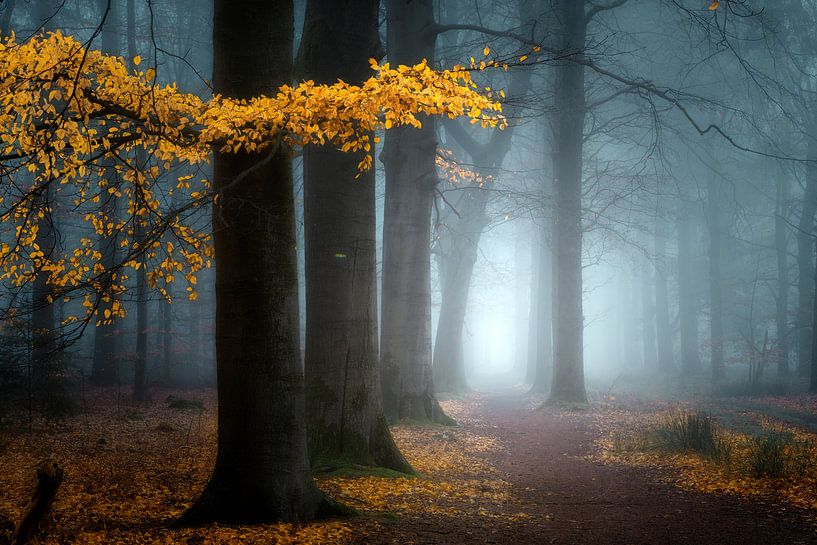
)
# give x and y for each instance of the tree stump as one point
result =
(49, 478)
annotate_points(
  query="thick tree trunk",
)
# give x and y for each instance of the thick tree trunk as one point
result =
(663, 330)
(782, 300)
(805, 265)
(715, 278)
(262, 470)
(105, 368)
(568, 365)
(345, 420)
(411, 178)
(687, 311)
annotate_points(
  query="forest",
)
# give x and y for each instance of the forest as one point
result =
(408, 271)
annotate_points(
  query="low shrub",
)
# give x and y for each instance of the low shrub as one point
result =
(689, 431)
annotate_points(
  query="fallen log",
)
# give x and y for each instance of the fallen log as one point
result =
(30, 526)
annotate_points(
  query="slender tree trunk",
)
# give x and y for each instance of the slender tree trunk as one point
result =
(715, 278)
(662, 326)
(543, 368)
(345, 418)
(813, 370)
(687, 311)
(568, 365)
(411, 179)
(262, 470)
(805, 265)
(648, 316)
(460, 247)
(105, 369)
(43, 326)
(166, 316)
(140, 365)
(460, 242)
(533, 311)
(782, 300)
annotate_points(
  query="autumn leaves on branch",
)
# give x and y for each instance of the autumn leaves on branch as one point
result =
(74, 118)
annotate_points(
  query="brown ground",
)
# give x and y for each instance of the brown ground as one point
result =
(509, 474)
(572, 500)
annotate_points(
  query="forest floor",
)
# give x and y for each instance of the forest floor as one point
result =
(511, 472)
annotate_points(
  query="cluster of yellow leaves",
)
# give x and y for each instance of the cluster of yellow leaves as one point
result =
(621, 444)
(455, 173)
(77, 120)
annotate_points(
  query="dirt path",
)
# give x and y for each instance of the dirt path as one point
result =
(571, 500)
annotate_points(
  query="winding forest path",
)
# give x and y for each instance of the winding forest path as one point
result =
(570, 499)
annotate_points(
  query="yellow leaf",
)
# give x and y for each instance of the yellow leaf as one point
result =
(486, 51)
(137, 60)
(714, 5)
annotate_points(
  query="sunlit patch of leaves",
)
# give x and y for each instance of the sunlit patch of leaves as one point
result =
(779, 462)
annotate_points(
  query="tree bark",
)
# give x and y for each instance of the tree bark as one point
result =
(805, 264)
(459, 243)
(140, 365)
(262, 471)
(782, 300)
(411, 178)
(543, 365)
(345, 419)
(663, 331)
(813, 377)
(648, 316)
(568, 365)
(715, 278)
(687, 311)
(43, 320)
(105, 368)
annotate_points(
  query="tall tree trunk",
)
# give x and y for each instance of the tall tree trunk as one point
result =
(533, 311)
(459, 243)
(648, 316)
(543, 367)
(715, 277)
(813, 370)
(521, 297)
(140, 365)
(166, 328)
(411, 179)
(805, 264)
(663, 330)
(262, 470)
(344, 409)
(782, 300)
(105, 368)
(568, 364)
(687, 311)
(43, 326)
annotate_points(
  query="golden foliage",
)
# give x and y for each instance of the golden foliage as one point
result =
(103, 137)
